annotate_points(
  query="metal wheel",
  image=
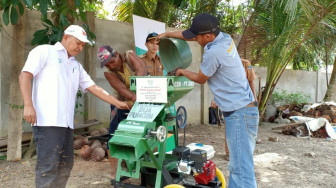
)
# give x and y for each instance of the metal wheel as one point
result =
(181, 117)
(161, 133)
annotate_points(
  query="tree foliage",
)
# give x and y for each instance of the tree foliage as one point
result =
(287, 28)
(179, 13)
(63, 13)
(10, 13)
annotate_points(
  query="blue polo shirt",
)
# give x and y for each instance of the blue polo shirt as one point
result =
(227, 77)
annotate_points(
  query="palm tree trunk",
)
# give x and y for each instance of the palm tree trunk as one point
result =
(160, 12)
(249, 22)
(331, 91)
(326, 55)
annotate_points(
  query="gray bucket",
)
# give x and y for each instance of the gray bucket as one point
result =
(174, 53)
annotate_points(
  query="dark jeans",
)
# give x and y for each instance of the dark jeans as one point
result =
(116, 116)
(54, 147)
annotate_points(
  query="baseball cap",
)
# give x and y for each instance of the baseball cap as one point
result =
(151, 36)
(202, 23)
(104, 55)
(78, 32)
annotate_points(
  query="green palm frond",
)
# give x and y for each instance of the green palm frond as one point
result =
(126, 8)
(291, 31)
(123, 11)
(143, 8)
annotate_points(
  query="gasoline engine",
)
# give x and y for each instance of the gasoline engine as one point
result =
(194, 163)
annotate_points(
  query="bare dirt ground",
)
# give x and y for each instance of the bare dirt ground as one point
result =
(288, 162)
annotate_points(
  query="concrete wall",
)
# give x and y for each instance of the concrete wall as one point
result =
(120, 37)
(310, 83)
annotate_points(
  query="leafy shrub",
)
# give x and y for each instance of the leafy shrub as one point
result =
(285, 97)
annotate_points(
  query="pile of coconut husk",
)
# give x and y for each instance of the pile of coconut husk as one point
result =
(286, 114)
(327, 111)
(88, 149)
(301, 130)
(324, 110)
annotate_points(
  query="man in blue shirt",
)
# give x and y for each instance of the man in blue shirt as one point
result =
(222, 69)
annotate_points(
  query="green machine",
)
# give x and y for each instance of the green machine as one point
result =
(151, 124)
(147, 126)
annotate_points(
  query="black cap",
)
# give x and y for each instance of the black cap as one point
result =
(151, 36)
(202, 23)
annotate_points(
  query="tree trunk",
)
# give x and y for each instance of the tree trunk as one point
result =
(249, 22)
(90, 100)
(31, 151)
(71, 4)
(331, 91)
(265, 96)
(15, 99)
(160, 11)
(56, 14)
(326, 56)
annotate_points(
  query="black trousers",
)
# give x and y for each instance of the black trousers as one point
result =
(54, 147)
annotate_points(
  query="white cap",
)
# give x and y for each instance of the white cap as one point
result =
(77, 32)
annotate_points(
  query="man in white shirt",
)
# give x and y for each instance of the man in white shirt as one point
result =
(49, 105)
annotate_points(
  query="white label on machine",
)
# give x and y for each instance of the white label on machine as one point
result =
(151, 89)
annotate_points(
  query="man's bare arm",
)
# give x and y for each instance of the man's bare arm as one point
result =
(252, 86)
(172, 34)
(103, 95)
(138, 64)
(119, 86)
(29, 113)
(193, 76)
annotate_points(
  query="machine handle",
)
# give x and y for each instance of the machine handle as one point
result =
(160, 133)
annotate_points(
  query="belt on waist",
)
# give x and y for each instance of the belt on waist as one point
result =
(252, 104)
(226, 114)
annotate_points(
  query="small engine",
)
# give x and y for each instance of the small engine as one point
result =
(209, 173)
(193, 160)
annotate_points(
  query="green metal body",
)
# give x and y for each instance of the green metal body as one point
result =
(131, 141)
(174, 53)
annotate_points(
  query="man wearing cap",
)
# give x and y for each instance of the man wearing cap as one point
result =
(49, 106)
(120, 66)
(250, 75)
(151, 59)
(221, 67)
